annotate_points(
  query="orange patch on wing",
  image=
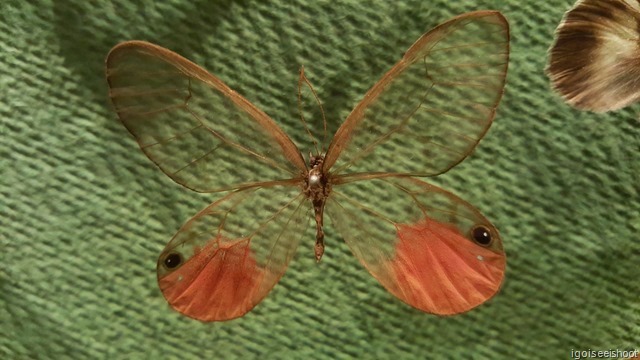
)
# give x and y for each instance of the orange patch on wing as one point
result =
(217, 283)
(438, 270)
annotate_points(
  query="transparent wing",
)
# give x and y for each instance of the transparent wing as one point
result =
(595, 60)
(431, 249)
(228, 257)
(441, 98)
(196, 129)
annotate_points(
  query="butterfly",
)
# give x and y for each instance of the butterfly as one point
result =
(426, 246)
(594, 62)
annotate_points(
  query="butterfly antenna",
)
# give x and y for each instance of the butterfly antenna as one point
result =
(324, 119)
(301, 81)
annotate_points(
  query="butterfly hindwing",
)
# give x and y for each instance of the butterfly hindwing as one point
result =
(228, 257)
(425, 245)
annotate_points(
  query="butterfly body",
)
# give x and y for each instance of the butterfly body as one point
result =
(425, 245)
(317, 188)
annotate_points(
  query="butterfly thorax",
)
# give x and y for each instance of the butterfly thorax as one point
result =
(317, 188)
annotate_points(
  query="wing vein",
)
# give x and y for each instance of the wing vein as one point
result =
(238, 146)
(469, 45)
(172, 138)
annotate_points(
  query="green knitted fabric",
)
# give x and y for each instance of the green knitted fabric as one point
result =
(84, 214)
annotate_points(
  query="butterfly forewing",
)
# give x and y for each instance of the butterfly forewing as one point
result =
(426, 246)
(226, 259)
(198, 131)
(440, 98)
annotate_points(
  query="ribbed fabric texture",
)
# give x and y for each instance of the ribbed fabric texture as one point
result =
(84, 214)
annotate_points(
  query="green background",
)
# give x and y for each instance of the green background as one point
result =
(84, 214)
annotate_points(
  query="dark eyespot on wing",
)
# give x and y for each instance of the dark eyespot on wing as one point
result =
(172, 260)
(481, 235)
